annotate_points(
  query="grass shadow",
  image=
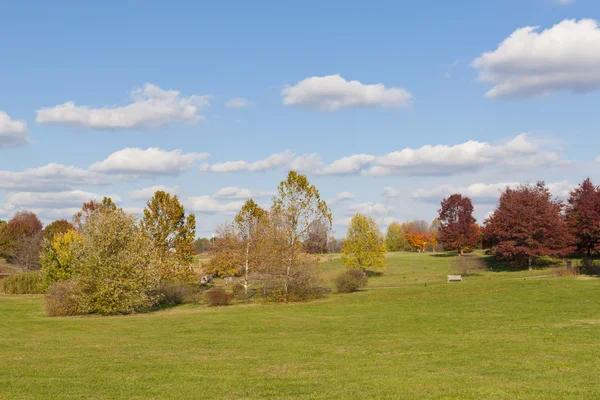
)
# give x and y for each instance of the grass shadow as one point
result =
(373, 274)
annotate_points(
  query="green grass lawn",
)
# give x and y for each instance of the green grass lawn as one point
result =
(411, 335)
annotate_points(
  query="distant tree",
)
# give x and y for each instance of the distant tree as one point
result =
(172, 233)
(415, 226)
(334, 245)
(202, 245)
(248, 225)
(417, 241)
(226, 253)
(317, 237)
(296, 207)
(24, 223)
(20, 240)
(59, 226)
(91, 207)
(394, 238)
(583, 215)
(458, 230)
(27, 251)
(528, 223)
(5, 241)
(364, 246)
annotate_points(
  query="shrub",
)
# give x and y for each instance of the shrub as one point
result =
(64, 299)
(57, 257)
(23, 283)
(350, 280)
(218, 297)
(587, 266)
(468, 264)
(173, 293)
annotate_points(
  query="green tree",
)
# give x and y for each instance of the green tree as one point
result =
(394, 238)
(297, 205)
(364, 246)
(172, 233)
(115, 265)
(247, 223)
(58, 226)
(90, 208)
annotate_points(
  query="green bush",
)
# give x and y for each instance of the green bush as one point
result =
(218, 297)
(23, 283)
(64, 298)
(172, 293)
(350, 280)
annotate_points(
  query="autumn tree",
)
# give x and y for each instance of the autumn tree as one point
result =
(57, 257)
(417, 241)
(394, 238)
(364, 246)
(226, 253)
(91, 207)
(528, 223)
(21, 239)
(58, 226)
(295, 208)
(457, 224)
(172, 233)
(583, 215)
(317, 237)
(248, 225)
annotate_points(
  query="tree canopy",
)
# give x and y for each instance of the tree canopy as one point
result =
(364, 246)
(457, 230)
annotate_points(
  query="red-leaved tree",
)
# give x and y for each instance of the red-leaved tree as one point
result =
(583, 215)
(458, 230)
(528, 223)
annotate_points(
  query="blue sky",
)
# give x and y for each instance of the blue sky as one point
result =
(413, 99)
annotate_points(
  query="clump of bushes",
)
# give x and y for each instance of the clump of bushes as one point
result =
(468, 264)
(23, 283)
(172, 293)
(588, 266)
(218, 297)
(64, 299)
(351, 280)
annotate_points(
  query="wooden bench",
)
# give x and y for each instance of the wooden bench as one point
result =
(454, 278)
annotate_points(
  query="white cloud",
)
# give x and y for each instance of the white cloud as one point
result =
(151, 161)
(12, 133)
(531, 63)
(238, 102)
(471, 156)
(564, 2)
(332, 92)
(150, 107)
(484, 193)
(236, 193)
(347, 165)
(478, 192)
(49, 177)
(147, 192)
(369, 208)
(53, 199)
(341, 197)
(273, 161)
(209, 205)
(391, 192)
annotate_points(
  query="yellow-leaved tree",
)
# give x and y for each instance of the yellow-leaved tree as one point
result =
(57, 257)
(172, 233)
(364, 246)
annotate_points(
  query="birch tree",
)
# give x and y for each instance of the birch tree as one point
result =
(247, 222)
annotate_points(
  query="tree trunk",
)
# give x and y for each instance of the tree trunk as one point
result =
(589, 250)
(246, 275)
(529, 260)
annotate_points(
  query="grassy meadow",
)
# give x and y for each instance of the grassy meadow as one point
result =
(498, 335)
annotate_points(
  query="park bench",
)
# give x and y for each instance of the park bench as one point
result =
(454, 278)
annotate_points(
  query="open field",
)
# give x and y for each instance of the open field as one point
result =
(495, 336)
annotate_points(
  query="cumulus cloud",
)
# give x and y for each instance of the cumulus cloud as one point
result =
(238, 102)
(210, 205)
(151, 161)
(341, 197)
(53, 199)
(49, 177)
(332, 92)
(147, 192)
(273, 161)
(484, 193)
(391, 192)
(150, 107)
(520, 152)
(532, 63)
(369, 208)
(12, 133)
(470, 156)
(236, 193)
